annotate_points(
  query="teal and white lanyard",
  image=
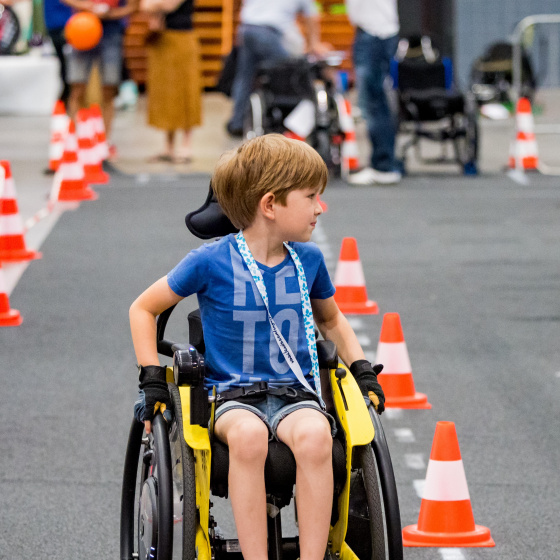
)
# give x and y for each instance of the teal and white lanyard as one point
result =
(306, 310)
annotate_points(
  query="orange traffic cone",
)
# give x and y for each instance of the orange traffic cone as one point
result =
(8, 317)
(59, 126)
(396, 377)
(523, 150)
(12, 240)
(349, 150)
(69, 183)
(323, 204)
(349, 281)
(100, 135)
(87, 149)
(446, 517)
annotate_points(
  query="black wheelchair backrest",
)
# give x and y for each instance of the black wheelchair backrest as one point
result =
(209, 220)
(290, 77)
(421, 75)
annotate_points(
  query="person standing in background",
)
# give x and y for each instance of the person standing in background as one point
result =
(108, 53)
(261, 37)
(174, 81)
(375, 44)
(56, 15)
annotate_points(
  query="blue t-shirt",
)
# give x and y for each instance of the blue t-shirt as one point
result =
(240, 349)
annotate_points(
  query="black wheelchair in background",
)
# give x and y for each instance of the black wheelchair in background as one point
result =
(431, 107)
(171, 474)
(285, 86)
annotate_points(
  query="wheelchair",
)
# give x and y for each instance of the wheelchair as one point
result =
(431, 107)
(284, 86)
(170, 475)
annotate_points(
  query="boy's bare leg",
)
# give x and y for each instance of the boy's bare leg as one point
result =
(77, 99)
(308, 434)
(247, 438)
(109, 94)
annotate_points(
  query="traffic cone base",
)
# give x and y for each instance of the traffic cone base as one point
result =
(478, 537)
(12, 249)
(399, 391)
(8, 317)
(76, 190)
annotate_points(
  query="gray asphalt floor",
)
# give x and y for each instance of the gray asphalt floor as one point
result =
(471, 264)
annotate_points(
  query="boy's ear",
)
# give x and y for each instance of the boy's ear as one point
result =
(266, 205)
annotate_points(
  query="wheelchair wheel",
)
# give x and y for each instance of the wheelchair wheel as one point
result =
(184, 485)
(253, 123)
(366, 525)
(161, 502)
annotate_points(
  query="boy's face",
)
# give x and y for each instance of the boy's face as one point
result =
(298, 218)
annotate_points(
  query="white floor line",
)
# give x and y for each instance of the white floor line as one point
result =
(419, 486)
(363, 339)
(415, 461)
(451, 554)
(356, 323)
(404, 435)
(392, 413)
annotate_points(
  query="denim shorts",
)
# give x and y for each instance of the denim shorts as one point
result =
(109, 54)
(272, 409)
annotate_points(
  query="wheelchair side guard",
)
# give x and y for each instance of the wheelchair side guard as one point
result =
(198, 440)
(358, 428)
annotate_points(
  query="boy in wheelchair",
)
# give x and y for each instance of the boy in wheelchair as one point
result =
(259, 292)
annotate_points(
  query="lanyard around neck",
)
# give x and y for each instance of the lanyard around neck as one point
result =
(306, 309)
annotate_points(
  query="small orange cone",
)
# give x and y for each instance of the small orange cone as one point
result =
(8, 317)
(349, 150)
(323, 204)
(350, 283)
(12, 240)
(523, 151)
(446, 517)
(69, 183)
(59, 126)
(396, 377)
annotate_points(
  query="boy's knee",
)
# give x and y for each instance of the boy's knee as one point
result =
(248, 441)
(313, 442)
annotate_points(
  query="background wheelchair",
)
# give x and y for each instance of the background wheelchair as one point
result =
(281, 87)
(431, 107)
(169, 475)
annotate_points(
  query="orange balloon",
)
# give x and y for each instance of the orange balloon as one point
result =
(83, 31)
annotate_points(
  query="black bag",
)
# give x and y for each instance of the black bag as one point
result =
(225, 82)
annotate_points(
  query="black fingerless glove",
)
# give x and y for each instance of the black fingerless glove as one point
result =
(366, 376)
(154, 394)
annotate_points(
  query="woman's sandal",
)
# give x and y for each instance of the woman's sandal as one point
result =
(161, 158)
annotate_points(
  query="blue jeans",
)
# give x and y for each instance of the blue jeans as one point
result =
(257, 43)
(372, 59)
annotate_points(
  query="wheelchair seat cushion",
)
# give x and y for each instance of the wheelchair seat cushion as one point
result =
(279, 472)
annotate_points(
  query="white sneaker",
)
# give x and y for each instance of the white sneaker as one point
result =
(370, 176)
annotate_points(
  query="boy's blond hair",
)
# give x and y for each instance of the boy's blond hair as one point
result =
(267, 164)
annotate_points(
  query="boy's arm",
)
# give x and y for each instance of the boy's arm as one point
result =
(143, 312)
(334, 326)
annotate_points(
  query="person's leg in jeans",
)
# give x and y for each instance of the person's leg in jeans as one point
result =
(58, 41)
(257, 45)
(372, 57)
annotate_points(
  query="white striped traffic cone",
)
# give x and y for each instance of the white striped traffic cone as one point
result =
(446, 517)
(100, 134)
(524, 152)
(349, 150)
(8, 317)
(350, 283)
(69, 183)
(396, 377)
(59, 127)
(12, 238)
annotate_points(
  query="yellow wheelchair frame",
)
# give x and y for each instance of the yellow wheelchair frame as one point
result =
(188, 447)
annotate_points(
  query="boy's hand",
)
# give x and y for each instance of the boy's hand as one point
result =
(154, 395)
(366, 376)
